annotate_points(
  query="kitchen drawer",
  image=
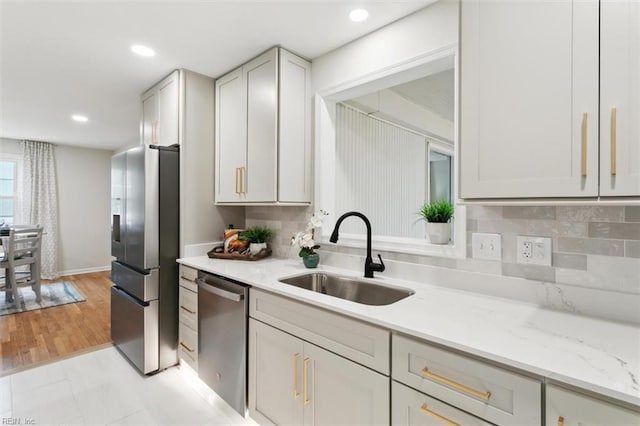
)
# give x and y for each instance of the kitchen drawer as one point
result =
(188, 277)
(188, 345)
(188, 308)
(410, 407)
(494, 394)
(360, 342)
(568, 408)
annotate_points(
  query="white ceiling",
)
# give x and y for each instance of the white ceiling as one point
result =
(59, 58)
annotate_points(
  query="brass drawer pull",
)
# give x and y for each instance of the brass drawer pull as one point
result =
(186, 278)
(186, 347)
(437, 416)
(296, 393)
(614, 165)
(483, 395)
(187, 309)
(584, 144)
(305, 384)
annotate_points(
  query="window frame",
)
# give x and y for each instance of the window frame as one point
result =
(17, 202)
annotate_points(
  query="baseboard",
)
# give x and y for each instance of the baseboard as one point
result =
(84, 270)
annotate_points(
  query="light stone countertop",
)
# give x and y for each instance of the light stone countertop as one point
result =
(593, 354)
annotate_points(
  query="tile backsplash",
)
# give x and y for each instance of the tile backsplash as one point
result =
(593, 246)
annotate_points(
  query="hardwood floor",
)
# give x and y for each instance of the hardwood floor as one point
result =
(35, 337)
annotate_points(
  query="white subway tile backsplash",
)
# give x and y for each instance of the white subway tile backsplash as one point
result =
(632, 213)
(590, 213)
(517, 212)
(591, 246)
(570, 261)
(621, 231)
(632, 249)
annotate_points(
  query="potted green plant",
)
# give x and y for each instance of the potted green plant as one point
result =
(257, 236)
(437, 214)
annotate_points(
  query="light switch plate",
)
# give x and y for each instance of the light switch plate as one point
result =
(486, 246)
(533, 250)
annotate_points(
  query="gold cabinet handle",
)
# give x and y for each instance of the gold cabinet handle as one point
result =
(613, 142)
(296, 393)
(237, 180)
(154, 132)
(243, 180)
(437, 416)
(186, 347)
(305, 380)
(560, 421)
(484, 395)
(187, 309)
(186, 278)
(584, 144)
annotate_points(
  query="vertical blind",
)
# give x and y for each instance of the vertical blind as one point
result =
(381, 172)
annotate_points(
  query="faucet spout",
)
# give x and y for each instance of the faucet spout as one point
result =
(369, 265)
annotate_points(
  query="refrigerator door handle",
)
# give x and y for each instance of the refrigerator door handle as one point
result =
(235, 297)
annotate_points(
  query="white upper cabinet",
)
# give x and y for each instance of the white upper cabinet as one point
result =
(263, 144)
(620, 97)
(529, 99)
(160, 112)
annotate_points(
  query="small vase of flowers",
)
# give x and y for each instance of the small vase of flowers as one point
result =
(305, 240)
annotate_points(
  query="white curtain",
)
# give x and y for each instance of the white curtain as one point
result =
(40, 199)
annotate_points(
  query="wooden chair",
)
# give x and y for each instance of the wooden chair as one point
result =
(22, 248)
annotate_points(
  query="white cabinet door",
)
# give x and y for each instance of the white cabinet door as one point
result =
(230, 136)
(160, 112)
(294, 142)
(529, 99)
(294, 382)
(341, 392)
(275, 375)
(261, 80)
(149, 117)
(620, 97)
(567, 408)
(167, 126)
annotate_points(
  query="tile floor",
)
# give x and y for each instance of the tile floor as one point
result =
(102, 388)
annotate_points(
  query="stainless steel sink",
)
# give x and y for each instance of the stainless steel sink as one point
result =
(348, 288)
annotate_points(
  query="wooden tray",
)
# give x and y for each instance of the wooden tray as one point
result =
(237, 256)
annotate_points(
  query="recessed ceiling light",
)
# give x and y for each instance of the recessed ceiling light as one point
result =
(142, 50)
(79, 118)
(358, 15)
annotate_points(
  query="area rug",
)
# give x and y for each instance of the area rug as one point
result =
(54, 294)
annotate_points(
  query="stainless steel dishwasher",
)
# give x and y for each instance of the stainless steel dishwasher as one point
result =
(222, 337)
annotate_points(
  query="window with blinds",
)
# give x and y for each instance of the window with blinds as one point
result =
(381, 171)
(8, 177)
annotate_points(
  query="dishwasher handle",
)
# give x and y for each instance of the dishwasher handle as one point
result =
(235, 297)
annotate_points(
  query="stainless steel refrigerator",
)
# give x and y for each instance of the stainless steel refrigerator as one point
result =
(145, 221)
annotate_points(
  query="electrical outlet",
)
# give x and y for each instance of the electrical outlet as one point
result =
(533, 250)
(486, 246)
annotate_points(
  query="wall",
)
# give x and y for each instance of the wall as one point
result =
(84, 187)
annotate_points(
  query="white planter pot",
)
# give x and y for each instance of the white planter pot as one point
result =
(438, 233)
(254, 248)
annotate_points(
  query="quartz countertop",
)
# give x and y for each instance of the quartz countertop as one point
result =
(593, 354)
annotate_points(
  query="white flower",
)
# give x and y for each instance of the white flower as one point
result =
(315, 222)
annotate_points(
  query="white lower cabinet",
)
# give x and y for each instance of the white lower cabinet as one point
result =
(568, 408)
(295, 382)
(410, 407)
(188, 317)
